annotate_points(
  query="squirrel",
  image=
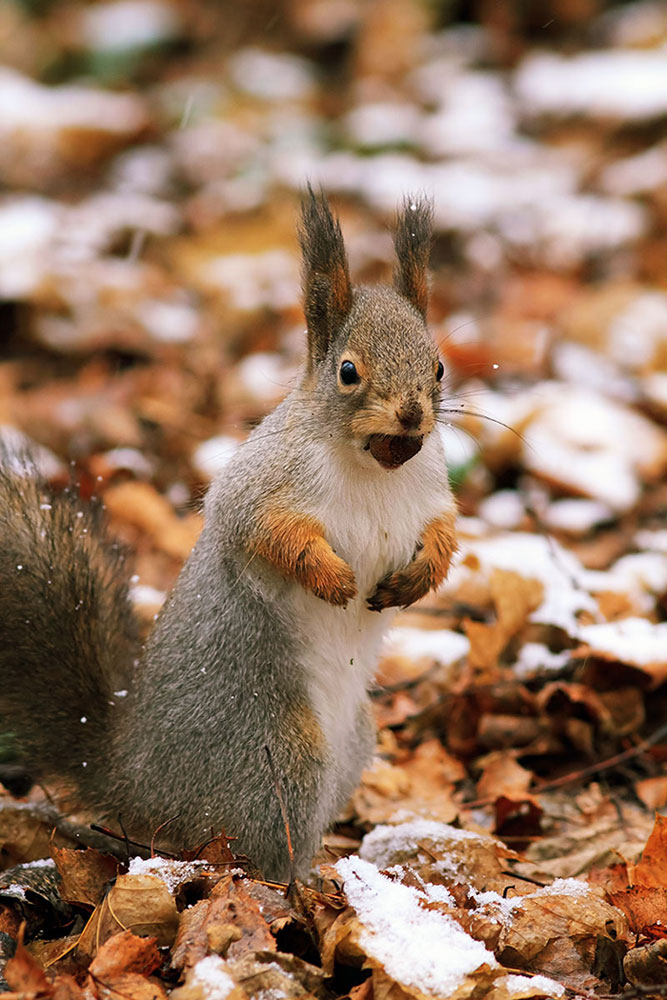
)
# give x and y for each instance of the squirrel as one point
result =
(333, 513)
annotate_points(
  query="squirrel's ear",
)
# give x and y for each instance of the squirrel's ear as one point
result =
(326, 278)
(412, 239)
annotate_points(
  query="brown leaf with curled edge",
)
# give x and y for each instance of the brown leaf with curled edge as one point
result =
(515, 597)
(23, 972)
(651, 869)
(140, 903)
(84, 874)
(502, 775)
(228, 923)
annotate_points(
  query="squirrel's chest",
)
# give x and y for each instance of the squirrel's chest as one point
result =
(375, 524)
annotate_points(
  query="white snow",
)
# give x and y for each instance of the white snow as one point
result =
(528, 985)
(265, 376)
(535, 657)
(638, 334)
(418, 948)
(382, 123)
(254, 281)
(503, 509)
(173, 873)
(171, 322)
(535, 557)
(639, 174)
(272, 76)
(211, 456)
(632, 640)
(621, 84)
(28, 227)
(384, 842)
(653, 540)
(32, 108)
(211, 974)
(441, 645)
(125, 24)
(575, 516)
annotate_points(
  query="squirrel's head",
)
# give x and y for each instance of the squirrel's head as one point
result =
(370, 355)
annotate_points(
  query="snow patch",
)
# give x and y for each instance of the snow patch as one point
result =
(418, 948)
(173, 873)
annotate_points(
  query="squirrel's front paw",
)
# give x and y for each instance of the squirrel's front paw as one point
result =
(397, 590)
(333, 581)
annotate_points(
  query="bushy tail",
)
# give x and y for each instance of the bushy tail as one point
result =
(67, 634)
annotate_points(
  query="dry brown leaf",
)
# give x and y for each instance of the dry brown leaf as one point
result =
(278, 974)
(229, 923)
(502, 775)
(126, 952)
(643, 905)
(514, 597)
(555, 931)
(422, 786)
(647, 965)
(652, 792)
(24, 974)
(24, 834)
(84, 874)
(129, 986)
(651, 869)
(65, 987)
(139, 903)
(142, 506)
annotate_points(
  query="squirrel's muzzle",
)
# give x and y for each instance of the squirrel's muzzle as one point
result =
(393, 450)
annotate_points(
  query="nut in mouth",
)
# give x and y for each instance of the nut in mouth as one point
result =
(393, 450)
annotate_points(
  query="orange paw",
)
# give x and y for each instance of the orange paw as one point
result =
(295, 546)
(426, 571)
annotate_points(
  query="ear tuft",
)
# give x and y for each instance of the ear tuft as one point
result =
(412, 239)
(326, 277)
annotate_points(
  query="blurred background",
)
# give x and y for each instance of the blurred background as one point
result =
(152, 155)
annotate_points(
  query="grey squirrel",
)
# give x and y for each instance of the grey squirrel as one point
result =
(336, 509)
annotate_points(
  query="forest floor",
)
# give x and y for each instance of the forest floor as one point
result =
(509, 840)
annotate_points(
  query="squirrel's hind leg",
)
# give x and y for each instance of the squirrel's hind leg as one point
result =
(299, 763)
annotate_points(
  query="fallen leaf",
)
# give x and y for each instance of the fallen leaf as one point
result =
(651, 869)
(84, 874)
(24, 974)
(125, 952)
(138, 903)
(229, 923)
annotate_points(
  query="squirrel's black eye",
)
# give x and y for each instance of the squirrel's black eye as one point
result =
(348, 373)
(440, 371)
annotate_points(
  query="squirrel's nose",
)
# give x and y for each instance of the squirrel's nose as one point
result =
(410, 415)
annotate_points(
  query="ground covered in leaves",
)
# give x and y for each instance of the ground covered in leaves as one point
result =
(505, 843)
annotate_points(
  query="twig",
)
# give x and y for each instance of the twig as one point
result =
(283, 812)
(161, 827)
(586, 772)
(126, 840)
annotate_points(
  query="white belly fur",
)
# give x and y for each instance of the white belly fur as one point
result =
(374, 519)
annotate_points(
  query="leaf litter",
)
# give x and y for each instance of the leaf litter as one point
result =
(504, 842)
